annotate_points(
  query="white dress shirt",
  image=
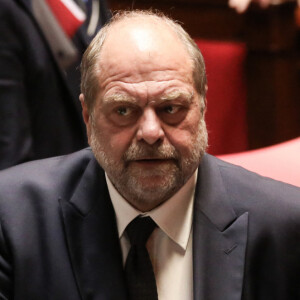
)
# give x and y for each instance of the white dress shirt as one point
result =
(170, 245)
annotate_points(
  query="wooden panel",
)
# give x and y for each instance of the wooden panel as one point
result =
(273, 90)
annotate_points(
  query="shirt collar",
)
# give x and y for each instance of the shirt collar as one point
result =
(174, 216)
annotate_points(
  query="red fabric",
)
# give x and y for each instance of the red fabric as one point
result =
(281, 161)
(68, 22)
(226, 97)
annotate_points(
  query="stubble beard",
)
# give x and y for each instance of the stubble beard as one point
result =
(148, 188)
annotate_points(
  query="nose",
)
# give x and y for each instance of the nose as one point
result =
(150, 130)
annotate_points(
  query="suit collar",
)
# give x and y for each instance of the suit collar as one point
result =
(219, 238)
(92, 237)
(90, 188)
(211, 192)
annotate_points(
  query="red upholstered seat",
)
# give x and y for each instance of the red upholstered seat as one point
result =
(281, 161)
(226, 97)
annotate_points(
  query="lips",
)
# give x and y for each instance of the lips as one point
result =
(137, 152)
(152, 161)
(152, 158)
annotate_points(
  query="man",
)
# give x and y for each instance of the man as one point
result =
(222, 232)
(40, 115)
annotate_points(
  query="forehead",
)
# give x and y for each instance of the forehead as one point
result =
(141, 49)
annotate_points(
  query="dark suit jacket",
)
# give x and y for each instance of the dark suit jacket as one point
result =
(59, 237)
(40, 115)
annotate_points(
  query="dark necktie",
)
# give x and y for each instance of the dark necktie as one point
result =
(139, 272)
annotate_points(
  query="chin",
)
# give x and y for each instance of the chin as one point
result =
(151, 190)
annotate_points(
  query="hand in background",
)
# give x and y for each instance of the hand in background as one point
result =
(241, 5)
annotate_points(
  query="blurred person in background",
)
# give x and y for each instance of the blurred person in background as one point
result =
(41, 44)
(241, 5)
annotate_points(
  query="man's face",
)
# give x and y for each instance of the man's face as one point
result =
(146, 128)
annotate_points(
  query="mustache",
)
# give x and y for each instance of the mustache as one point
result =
(144, 151)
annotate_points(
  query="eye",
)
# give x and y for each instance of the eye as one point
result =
(124, 115)
(172, 114)
(124, 111)
(171, 109)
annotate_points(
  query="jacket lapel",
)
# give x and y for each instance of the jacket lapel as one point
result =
(62, 47)
(55, 39)
(219, 238)
(26, 4)
(71, 101)
(92, 238)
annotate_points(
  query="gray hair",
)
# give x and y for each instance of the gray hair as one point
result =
(90, 66)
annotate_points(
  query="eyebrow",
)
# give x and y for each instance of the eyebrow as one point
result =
(177, 95)
(119, 98)
(123, 98)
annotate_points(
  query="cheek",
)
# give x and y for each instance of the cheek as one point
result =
(184, 136)
(113, 138)
(181, 139)
(117, 142)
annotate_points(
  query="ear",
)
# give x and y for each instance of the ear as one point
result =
(205, 105)
(86, 116)
(205, 101)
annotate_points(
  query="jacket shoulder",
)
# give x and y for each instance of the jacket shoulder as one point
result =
(44, 176)
(249, 191)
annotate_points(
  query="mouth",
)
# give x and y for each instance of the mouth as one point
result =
(152, 161)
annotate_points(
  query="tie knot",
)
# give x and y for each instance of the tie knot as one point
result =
(139, 230)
